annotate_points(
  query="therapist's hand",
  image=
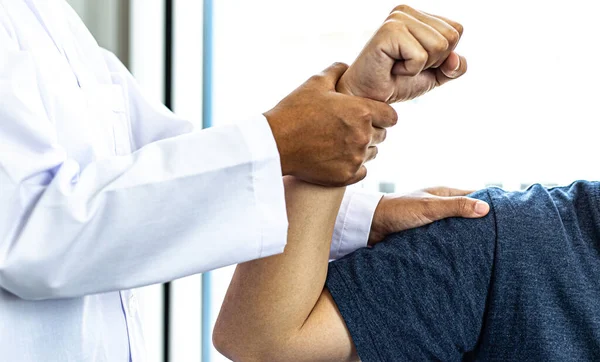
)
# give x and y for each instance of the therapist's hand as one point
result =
(410, 54)
(325, 137)
(402, 212)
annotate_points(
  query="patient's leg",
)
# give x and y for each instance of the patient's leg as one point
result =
(521, 284)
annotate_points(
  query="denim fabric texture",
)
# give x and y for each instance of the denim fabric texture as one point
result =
(522, 284)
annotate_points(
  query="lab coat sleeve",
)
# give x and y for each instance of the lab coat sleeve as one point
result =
(353, 223)
(176, 206)
(151, 121)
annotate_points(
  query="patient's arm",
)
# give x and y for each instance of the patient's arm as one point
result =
(490, 288)
(520, 284)
(275, 308)
(431, 282)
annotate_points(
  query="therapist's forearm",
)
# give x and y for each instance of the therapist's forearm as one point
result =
(269, 300)
(142, 219)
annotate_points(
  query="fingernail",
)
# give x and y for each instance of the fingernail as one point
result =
(481, 208)
(457, 64)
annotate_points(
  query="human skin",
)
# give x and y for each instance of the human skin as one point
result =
(325, 134)
(288, 315)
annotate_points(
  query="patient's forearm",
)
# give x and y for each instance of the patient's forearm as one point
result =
(269, 300)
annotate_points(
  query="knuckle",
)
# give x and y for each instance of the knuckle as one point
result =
(363, 114)
(393, 25)
(403, 8)
(360, 135)
(452, 36)
(362, 140)
(336, 67)
(339, 65)
(428, 207)
(399, 15)
(356, 162)
(441, 45)
(317, 78)
(420, 57)
(459, 28)
(462, 204)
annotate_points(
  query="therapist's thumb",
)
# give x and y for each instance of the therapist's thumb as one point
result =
(330, 76)
(457, 206)
(461, 206)
(451, 202)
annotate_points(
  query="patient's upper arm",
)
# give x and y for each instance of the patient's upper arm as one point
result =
(420, 294)
(324, 336)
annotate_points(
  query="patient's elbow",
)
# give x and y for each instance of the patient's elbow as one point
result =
(230, 345)
(221, 341)
(242, 346)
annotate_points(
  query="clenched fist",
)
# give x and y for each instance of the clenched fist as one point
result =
(410, 54)
(325, 137)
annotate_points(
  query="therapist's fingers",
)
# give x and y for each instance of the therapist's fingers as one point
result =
(372, 153)
(382, 114)
(379, 135)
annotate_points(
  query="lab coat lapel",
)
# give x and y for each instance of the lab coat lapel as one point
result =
(64, 28)
(45, 12)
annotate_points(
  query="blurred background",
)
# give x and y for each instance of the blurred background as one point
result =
(527, 111)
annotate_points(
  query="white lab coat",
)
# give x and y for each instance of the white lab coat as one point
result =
(102, 191)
